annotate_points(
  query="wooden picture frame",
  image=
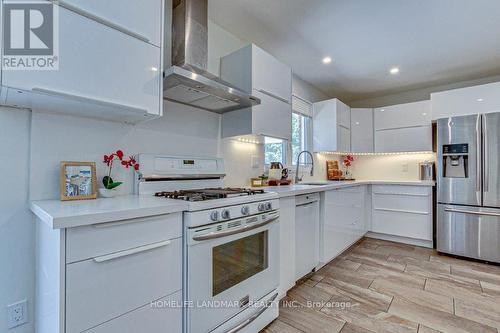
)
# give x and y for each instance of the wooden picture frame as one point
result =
(78, 181)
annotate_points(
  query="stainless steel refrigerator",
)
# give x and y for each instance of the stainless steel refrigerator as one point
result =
(468, 222)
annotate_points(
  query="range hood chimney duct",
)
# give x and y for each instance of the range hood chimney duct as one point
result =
(187, 81)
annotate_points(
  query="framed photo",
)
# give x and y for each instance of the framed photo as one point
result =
(78, 181)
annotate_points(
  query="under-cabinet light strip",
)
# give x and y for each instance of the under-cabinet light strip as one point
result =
(375, 154)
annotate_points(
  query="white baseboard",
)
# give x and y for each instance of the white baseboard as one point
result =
(399, 239)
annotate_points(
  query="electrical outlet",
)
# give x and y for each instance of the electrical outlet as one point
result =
(255, 162)
(17, 314)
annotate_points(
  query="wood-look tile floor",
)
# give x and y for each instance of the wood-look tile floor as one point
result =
(379, 286)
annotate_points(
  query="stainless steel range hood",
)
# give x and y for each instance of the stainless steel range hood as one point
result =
(187, 80)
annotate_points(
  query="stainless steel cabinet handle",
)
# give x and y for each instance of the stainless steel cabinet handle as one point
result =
(101, 20)
(265, 92)
(247, 322)
(87, 100)
(214, 235)
(136, 250)
(486, 165)
(450, 210)
(478, 153)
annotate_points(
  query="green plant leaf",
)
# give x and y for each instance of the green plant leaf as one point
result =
(114, 185)
(106, 181)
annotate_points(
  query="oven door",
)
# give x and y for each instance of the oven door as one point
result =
(230, 270)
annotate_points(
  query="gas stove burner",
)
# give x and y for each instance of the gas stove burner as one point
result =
(208, 194)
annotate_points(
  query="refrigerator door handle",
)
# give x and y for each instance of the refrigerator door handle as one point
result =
(478, 153)
(460, 211)
(486, 165)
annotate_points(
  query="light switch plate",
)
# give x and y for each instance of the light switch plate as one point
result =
(405, 167)
(17, 314)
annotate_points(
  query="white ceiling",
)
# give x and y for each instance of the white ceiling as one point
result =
(432, 41)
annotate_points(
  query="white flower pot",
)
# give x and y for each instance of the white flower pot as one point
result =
(105, 193)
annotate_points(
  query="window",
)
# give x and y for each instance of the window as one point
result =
(274, 150)
(301, 129)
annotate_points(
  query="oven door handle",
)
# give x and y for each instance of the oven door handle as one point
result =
(247, 322)
(214, 235)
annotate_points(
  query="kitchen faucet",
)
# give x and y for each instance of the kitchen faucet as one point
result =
(297, 179)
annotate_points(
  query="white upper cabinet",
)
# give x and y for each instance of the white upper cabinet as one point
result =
(362, 130)
(103, 73)
(253, 69)
(140, 19)
(403, 128)
(465, 101)
(332, 126)
(257, 72)
(403, 115)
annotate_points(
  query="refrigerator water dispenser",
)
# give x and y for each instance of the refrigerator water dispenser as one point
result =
(456, 161)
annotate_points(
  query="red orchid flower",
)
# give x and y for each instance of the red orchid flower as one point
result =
(120, 154)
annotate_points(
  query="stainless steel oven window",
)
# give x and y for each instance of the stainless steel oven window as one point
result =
(238, 260)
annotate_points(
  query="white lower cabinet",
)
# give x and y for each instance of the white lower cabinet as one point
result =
(102, 288)
(120, 276)
(287, 245)
(402, 211)
(342, 217)
(158, 316)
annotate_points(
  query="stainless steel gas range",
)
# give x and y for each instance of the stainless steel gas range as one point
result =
(231, 244)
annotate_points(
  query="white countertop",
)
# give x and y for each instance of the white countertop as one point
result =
(298, 189)
(70, 214)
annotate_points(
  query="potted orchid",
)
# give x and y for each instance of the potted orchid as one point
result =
(110, 185)
(347, 162)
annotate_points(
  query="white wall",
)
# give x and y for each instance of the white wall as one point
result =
(307, 91)
(182, 131)
(389, 167)
(17, 261)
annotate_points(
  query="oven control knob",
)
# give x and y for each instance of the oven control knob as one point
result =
(261, 207)
(269, 206)
(245, 210)
(226, 214)
(214, 216)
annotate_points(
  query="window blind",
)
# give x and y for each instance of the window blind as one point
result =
(302, 106)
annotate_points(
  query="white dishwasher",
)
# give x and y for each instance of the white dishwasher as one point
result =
(306, 234)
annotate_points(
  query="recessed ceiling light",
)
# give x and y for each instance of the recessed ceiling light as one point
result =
(480, 99)
(424, 114)
(382, 110)
(394, 70)
(327, 60)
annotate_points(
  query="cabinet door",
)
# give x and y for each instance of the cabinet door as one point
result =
(98, 63)
(409, 139)
(270, 75)
(343, 139)
(324, 123)
(153, 317)
(362, 130)
(465, 101)
(336, 226)
(403, 115)
(272, 117)
(142, 19)
(343, 114)
(287, 245)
